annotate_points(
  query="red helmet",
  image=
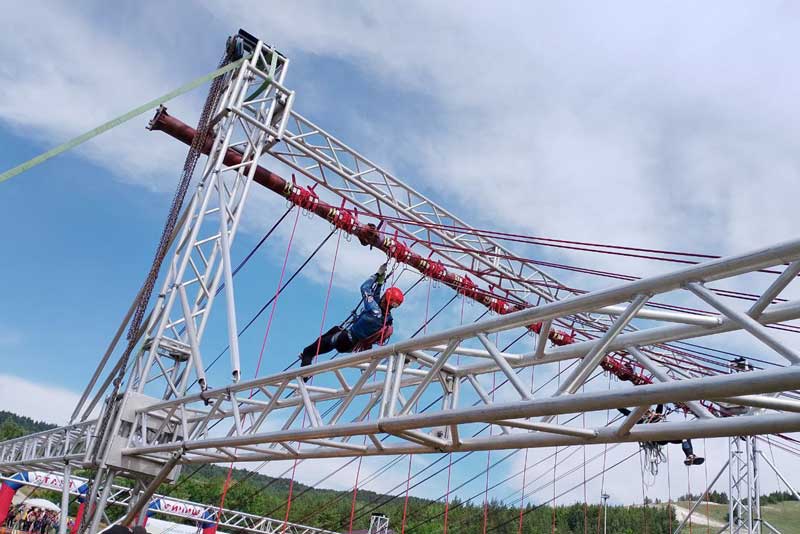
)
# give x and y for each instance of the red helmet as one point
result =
(393, 296)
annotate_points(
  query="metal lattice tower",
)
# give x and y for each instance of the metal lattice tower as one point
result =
(167, 415)
(378, 524)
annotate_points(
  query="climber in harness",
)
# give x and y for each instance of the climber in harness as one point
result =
(654, 417)
(372, 325)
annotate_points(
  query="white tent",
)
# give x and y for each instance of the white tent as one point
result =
(44, 504)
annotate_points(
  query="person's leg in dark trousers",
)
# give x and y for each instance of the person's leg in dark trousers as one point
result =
(688, 450)
(323, 344)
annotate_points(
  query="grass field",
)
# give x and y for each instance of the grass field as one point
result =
(784, 516)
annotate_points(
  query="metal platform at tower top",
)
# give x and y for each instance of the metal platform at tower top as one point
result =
(421, 395)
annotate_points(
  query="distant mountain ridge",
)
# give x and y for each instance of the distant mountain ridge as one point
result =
(263, 495)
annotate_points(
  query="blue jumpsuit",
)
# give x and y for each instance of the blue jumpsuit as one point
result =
(367, 323)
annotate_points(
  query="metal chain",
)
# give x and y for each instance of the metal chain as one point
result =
(195, 150)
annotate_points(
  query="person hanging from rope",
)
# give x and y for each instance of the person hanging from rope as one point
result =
(656, 416)
(372, 325)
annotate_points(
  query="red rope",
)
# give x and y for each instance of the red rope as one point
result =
(450, 459)
(488, 460)
(525, 463)
(585, 504)
(319, 341)
(355, 491)
(289, 499)
(277, 293)
(447, 495)
(555, 462)
(405, 503)
(411, 456)
(226, 486)
(669, 491)
(708, 512)
(689, 492)
(603, 472)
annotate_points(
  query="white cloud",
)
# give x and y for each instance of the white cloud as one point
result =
(41, 402)
(76, 75)
(641, 125)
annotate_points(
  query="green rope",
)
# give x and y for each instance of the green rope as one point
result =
(72, 143)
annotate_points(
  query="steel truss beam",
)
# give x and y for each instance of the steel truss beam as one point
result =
(382, 393)
(170, 506)
(201, 264)
(381, 389)
(50, 449)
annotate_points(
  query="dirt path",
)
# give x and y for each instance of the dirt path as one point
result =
(697, 517)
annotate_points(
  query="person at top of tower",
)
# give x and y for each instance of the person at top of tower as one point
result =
(372, 325)
(656, 416)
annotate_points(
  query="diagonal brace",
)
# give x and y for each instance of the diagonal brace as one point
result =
(745, 321)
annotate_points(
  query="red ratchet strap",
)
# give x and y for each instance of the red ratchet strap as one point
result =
(306, 198)
(344, 219)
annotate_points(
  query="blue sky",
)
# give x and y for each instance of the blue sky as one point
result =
(634, 125)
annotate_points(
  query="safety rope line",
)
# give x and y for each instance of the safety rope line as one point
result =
(125, 117)
(253, 472)
(525, 462)
(411, 456)
(355, 488)
(488, 461)
(494, 464)
(405, 503)
(561, 476)
(222, 496)
(226, 486)
(277, 293)
(567, 491)
(306, 414)
(585, 503)
(450, 455)
(361, 458)
(705, 468)
(523, 238)
(689, 492)
(329, 410)
(555, 459)
(669, 491)
(272, 299)
(605, 454)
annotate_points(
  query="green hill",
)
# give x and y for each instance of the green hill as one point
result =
(263, 495)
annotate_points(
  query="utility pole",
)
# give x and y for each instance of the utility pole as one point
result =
(605, 497)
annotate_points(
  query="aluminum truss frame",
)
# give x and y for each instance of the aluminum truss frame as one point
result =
(180, 508)
(329, 162)
(201, 266)
(376, 393)
(323, 158)
(170, 353)
(48, 450)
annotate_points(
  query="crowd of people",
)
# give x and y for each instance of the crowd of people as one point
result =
(31, 519)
